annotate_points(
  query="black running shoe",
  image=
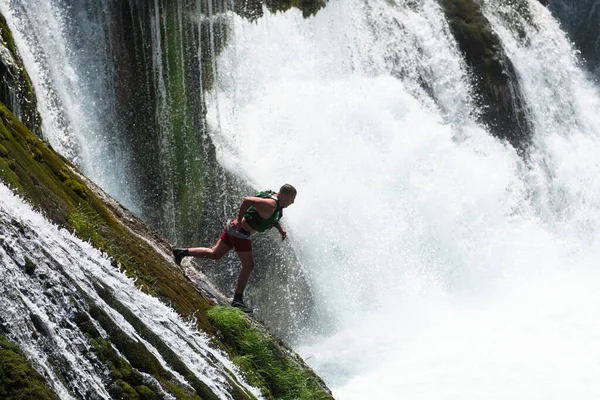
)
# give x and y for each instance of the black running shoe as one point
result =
(242, 306)
(178, 254)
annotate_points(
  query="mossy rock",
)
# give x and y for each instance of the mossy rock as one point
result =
(18, 380)
(29, 266)
(266, 363)
(52, 184)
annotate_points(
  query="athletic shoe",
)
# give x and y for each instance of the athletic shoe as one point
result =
(242, 306)
(178, 254)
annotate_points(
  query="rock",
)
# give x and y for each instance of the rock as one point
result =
(492, 73)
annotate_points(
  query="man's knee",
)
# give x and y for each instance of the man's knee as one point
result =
(217, 253)
(247, 260)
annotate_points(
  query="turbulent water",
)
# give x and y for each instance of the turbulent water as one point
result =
(63, 277)
(444, 265)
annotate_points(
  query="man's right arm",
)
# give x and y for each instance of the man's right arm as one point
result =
(246, 203)
(264, 207)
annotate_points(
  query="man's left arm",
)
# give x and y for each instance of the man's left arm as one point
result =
(282, 231)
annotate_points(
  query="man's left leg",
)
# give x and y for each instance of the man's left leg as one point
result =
(247, 260)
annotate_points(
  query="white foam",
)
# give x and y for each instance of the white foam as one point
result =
(442, 266)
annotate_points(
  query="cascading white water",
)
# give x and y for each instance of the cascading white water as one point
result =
(71, 82)
(66, 269)
(444, 266)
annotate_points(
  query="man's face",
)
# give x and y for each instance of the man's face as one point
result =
(285, 201)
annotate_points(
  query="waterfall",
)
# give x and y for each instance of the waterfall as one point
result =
(71, 71)
(444, 265)
(120, 87)
(51, 278)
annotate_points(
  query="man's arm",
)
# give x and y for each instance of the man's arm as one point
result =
(264, 207)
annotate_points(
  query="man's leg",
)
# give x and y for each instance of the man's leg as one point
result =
(216, 252)
(247, 260)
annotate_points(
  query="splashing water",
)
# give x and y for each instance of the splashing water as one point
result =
(444, 266)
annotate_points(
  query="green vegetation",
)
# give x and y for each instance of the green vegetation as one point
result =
(18, 380)
(264, 362)
(121, 371)
(29, 266)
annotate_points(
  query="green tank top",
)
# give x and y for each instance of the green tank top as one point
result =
(259, 223)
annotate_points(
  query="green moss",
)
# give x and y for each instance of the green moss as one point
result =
(7, 37)
(88, 226)
(128, 391)
(308, 7)
(29, 266)
(18, 380)
(127, 380)
(167, 354)
(7, 168)
(146, 393)
(263, 360)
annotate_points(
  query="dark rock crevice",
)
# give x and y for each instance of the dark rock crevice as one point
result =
(492, 73)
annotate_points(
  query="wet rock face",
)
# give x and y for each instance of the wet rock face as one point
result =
(16, 90)
(581, 20)
(492, 74)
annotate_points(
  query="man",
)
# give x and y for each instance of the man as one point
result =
(257, 214)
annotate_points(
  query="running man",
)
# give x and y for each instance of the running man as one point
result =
(257, 214)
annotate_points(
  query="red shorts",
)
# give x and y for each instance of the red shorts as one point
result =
(236, 243)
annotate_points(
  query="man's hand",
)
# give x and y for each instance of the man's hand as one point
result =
(283, 233)
(236, 225)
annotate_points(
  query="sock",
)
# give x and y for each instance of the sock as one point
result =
(238, 297)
